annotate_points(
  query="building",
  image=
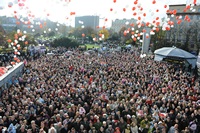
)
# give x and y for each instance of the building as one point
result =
(87, 21)
(185, 29)
(8, 23)
(119, 23)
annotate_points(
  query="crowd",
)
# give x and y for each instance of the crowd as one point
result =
(101, 93)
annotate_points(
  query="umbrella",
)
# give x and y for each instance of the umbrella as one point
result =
(174, 52)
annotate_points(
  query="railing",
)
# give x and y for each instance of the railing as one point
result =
(13, 72)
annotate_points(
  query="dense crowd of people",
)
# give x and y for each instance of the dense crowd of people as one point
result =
(101, 93)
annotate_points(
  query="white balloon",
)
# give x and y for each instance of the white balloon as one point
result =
(45, 32)
(136, 31)
(25, 32)
(194, 10)
(138, 38)
(32, 26)
(20, 39)
(132, 28)
(18, 31)
(49, 29)
(16, 41)
(127, 23)
(56, 29)
(82, 26)
(33, 30)
(172, 15)
(18, 53)
(141, 40)
(168, 19)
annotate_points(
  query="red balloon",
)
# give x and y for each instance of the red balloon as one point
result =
(179, 21)
(133, 8)
(135, 2)
(157, 29)
(174, 12)
(124, 9)
(134, 13)
(9, 40)
(83, 35)
(153, 2)
(111, 9)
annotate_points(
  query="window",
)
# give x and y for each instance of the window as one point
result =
(198, 9)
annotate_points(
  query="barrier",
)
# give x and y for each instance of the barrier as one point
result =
(14, 71)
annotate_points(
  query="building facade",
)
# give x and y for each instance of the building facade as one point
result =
(186, 24)
(119, 23)
(87, 21)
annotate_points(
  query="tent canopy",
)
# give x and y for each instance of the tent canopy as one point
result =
(167, 52)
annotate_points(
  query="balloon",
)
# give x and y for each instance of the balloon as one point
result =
(9, 40)
(153, 2)
(165, 6)
(133, 8)
(157, 29)
(10, 4)
(83, 35)
(12, 63)
(114, 1)
(124, 9)
(111, 9)
(26, 42)
(135, 2)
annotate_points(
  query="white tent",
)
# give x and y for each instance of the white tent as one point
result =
(167, 52)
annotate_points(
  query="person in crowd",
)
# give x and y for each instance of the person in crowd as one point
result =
(98, 92)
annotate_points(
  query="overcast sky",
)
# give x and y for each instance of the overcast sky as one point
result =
(59, 10)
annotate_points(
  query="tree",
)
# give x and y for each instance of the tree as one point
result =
(104, 33)
(65, 42)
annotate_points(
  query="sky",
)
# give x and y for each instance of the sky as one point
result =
(59, 10)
